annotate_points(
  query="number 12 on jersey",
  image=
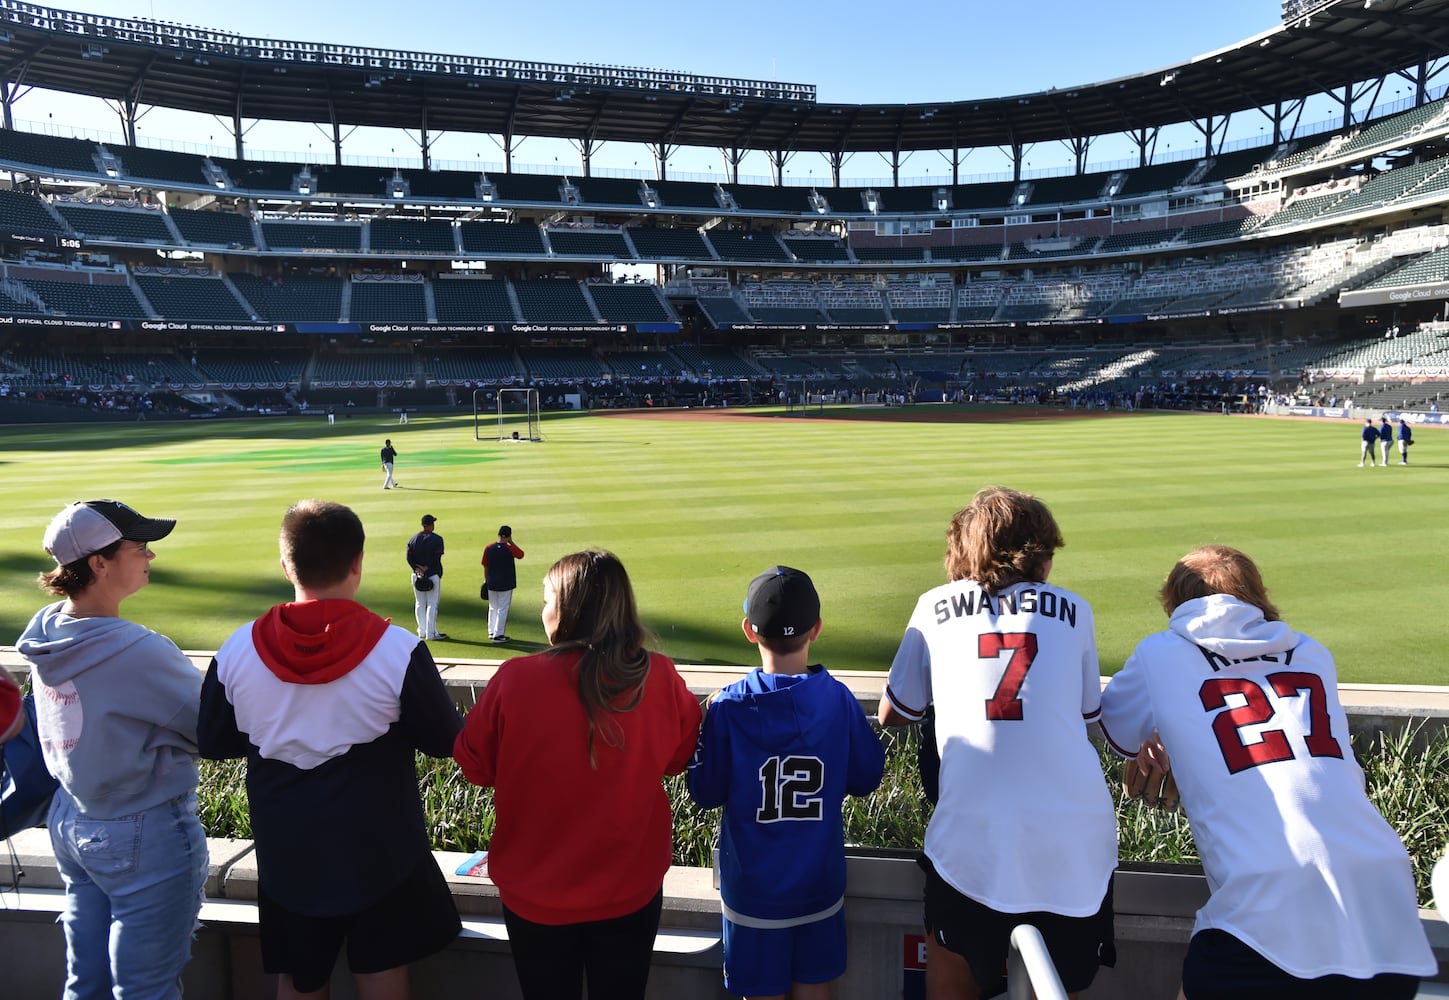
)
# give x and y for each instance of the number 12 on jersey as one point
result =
(790, 789)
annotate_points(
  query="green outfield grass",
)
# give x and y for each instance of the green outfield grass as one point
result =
(697, 507)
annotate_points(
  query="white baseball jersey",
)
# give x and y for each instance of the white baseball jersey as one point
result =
(1025, 821)
(1302, 867)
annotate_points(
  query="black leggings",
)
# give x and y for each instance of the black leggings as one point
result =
(552, 961)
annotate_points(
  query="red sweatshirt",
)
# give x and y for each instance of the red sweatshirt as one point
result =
(574, 843)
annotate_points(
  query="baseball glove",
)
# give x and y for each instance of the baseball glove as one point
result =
(1156, 788)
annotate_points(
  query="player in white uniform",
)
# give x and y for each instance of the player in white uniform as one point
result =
(1025, 830)
(1312, 892)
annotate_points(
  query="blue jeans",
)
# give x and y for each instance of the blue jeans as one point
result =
(133, 889)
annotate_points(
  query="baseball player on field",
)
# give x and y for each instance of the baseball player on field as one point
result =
(1312, 892)
(1024, 831)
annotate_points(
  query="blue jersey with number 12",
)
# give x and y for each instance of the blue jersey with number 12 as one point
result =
(780, 752)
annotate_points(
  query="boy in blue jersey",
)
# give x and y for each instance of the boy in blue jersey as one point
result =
(779, 750)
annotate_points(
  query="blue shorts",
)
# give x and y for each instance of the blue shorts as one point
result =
(762, 961)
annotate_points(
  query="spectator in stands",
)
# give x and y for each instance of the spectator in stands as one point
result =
(1406, 438)
(389, 456)
(328, 702)
(580, 860)
(782, 884)
(1369, 437)
(996, 734)
(1248, 709)
(425, 557)
(116, 706)
(500, 580)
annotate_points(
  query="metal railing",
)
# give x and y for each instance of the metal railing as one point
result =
(1029, 969)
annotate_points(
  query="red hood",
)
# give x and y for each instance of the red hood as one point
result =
(316, 641)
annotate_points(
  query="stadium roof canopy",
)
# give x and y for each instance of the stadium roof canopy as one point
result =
(140, 62)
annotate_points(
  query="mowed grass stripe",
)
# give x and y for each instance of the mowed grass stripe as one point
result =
(695, 508)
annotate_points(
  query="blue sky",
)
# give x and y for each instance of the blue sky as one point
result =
(852, 51)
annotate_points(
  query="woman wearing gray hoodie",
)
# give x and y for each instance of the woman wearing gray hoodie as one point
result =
(116, 705)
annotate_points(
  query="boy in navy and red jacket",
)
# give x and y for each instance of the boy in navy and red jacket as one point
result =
(328, 702)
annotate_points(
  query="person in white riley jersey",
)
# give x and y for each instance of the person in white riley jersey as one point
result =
(1312, 892)
(1025, 830)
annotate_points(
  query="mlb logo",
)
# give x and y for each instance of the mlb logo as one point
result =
(279, 328)
(115, 324)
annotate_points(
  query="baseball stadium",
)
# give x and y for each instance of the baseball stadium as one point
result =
(710, 375)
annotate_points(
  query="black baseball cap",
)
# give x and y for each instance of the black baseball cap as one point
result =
(91, 525)
(428, 519)
(782, 602)
(505, 530)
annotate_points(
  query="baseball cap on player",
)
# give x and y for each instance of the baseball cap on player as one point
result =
(504, 531)
(782, 602)
(90, 525)
(428, 519)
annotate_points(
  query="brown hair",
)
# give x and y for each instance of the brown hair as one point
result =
(1216, 569)
(597, 615)
(783, 645)
(319, 541)
(1000, 538)
(72, 578)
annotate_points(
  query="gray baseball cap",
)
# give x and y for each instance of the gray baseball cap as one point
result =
(91, 525)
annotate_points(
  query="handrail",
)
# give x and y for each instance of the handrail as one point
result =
(1029, 968)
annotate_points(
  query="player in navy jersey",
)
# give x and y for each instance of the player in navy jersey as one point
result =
(1312, 892)
(779, 750)
(1024, 832)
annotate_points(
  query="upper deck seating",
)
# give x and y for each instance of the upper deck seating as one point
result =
(596, 243)
(293, 298)
(412, 236)
(747, 246)
(82, 298)
(514, 239)
(212, 228)
(529, 187)
(686, 194)
(817, 249)
(668, 244)
(65, 156)
(196, 298)
(547, 300)
(629, 303)
(161, 164)
(25, 214)
(388, 302)
(116, 224)
(340, 236)
(472, 300)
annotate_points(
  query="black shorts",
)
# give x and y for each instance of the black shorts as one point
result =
(1220, 967)
(414, 920)
(1078, 945)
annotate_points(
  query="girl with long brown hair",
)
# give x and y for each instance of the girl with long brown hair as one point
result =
(575, 742)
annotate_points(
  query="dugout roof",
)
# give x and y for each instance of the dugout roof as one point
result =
(197, 69)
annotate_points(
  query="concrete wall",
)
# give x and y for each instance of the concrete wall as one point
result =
(1155, 906)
